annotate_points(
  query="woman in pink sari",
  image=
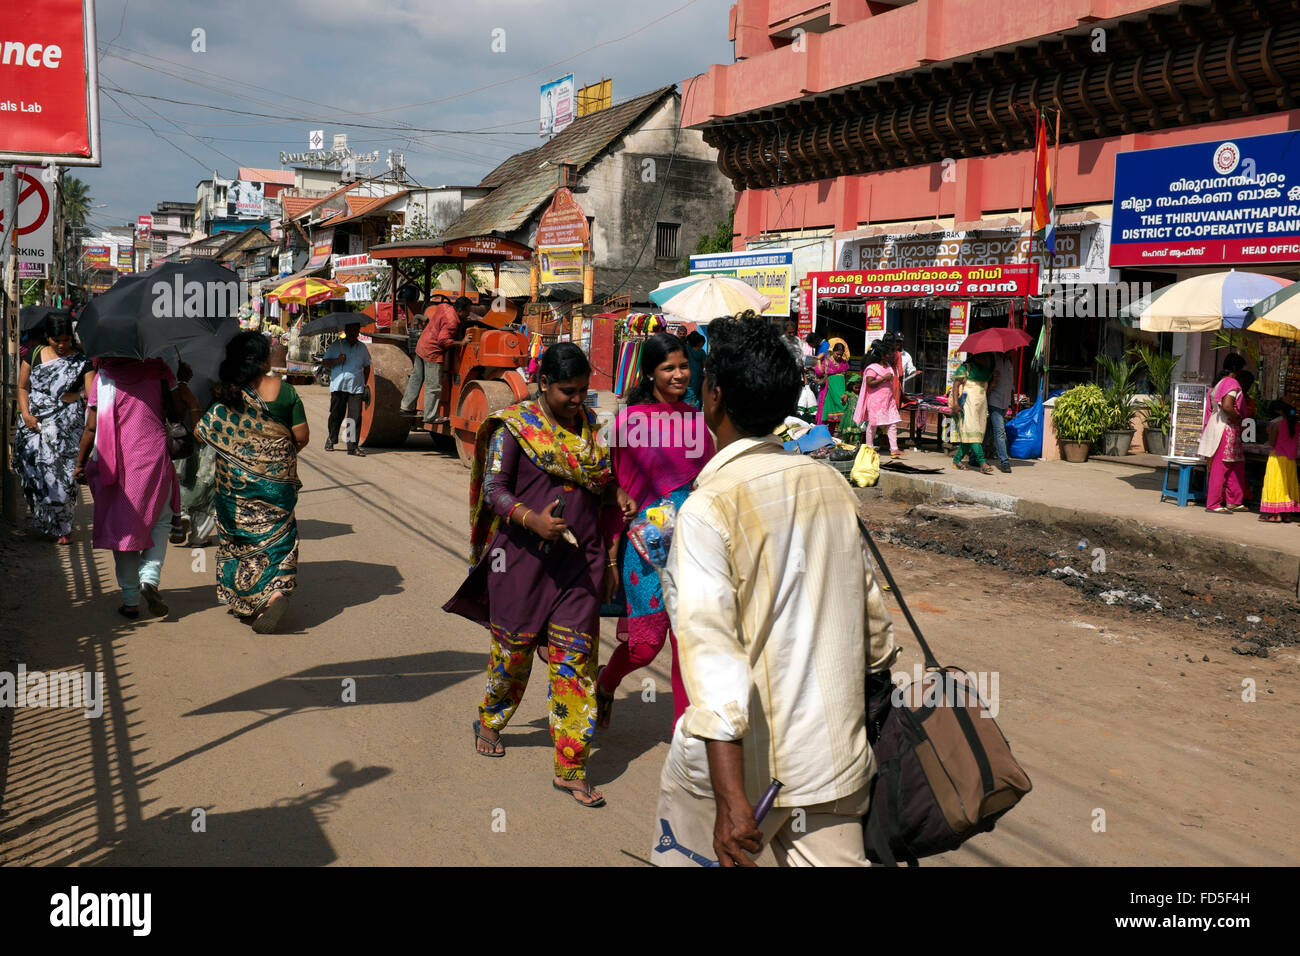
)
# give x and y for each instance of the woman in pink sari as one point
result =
(658, 447)
(1221, 441)
(130, 474)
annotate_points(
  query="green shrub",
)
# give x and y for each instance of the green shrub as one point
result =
(1081, 414)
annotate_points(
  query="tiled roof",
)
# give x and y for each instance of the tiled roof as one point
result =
(295, 206)
(522, 184)
(358, 206)
(283, 177)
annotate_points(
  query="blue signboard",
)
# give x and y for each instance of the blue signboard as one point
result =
(1217, 203)
(770, 271)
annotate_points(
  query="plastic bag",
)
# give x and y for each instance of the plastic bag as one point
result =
(866, 467)
(1025, 432)
(651, 533)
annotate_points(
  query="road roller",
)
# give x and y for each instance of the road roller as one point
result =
(484, 375)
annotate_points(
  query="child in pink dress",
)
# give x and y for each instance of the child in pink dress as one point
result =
(876, 404)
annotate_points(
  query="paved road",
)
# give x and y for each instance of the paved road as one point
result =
(204, 715)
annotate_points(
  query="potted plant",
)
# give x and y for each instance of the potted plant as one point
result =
(1160, 377)
(1079, 417)
(1121, 402)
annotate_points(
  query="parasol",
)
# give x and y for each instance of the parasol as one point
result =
(714, 296)
(1203, 303)
(307, 290)
(995, 340)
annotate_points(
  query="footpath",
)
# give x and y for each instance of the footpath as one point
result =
(1118, 503)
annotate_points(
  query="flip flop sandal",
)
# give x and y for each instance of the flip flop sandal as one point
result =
(961, 466)
(491, 743)
(1219, 511)
(157, 606)
(604, 702)
(986, 469)
(585, 791)
(270, 617)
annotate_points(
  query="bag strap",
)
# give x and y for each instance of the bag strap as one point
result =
(930, 660)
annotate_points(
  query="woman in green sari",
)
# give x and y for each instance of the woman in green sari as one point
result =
(970, 410)
(257, 426)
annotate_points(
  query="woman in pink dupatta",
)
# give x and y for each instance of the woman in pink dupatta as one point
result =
(1221, 441)
(132, 480)
(658, 446)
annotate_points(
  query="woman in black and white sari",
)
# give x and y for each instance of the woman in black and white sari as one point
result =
(52, 386)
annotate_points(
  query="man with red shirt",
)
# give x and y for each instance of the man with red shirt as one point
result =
(445, 324)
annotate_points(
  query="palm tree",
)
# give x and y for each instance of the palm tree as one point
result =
(75, 196)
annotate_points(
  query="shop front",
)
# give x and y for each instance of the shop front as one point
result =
(933, 308)
(1213, 206)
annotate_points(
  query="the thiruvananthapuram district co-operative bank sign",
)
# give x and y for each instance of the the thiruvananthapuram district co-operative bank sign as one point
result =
(1218, 203)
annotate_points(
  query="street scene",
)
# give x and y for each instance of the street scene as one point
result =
(804, 434)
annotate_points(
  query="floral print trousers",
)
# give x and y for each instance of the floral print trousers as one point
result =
(571, 694)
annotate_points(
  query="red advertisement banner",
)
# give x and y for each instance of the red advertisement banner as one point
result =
(944, 281)
(1206, 252)
(48, 89)
(876, 316)
(805, 308)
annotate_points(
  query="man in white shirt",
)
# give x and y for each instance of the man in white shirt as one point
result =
(349, 363)
(778, 620)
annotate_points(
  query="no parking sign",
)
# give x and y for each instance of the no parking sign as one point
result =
(35, 220)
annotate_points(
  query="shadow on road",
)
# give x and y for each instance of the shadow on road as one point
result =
(290, 833)
(314, 529)
(383, 680)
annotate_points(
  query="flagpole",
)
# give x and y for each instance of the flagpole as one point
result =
(1051, 254)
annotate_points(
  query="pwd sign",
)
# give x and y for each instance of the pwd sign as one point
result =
(35, 217)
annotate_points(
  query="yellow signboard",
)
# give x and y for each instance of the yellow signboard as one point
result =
(560, 264)
(596, 97)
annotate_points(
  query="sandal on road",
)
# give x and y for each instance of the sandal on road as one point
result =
(986, 469)
(604, 703)
(594, 799)
(498, 749)
(272, 611)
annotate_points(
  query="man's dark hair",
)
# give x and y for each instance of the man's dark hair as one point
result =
(695, 339)
(758, 376)
(462, 304)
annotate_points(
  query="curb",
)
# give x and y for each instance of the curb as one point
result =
(1195, 550)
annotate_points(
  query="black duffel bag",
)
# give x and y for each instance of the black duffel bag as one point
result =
(944, 770)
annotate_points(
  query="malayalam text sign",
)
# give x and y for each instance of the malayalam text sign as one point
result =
(769, 271)
(1221, 202)
(960, 281)
(49, 85)
(563, 224)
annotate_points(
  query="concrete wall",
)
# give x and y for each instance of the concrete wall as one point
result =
(621, 194)
(864, 40)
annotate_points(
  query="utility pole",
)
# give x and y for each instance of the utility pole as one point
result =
(9, 492)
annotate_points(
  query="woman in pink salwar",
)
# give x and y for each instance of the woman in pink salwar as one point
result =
(123, 458)
(1221, 442)
(877, 406)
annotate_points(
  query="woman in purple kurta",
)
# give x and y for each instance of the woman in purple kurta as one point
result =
(130, 476)
(539, 577)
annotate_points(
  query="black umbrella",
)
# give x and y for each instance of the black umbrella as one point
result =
(204, 353)
(31, 316)
(147, 314)
(333, 322)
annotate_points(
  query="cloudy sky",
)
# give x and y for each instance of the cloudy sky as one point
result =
(373, 69)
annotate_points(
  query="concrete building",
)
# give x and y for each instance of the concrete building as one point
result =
(649, 191)
(856, 127)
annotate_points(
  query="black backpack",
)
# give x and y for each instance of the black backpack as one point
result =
(944, 770)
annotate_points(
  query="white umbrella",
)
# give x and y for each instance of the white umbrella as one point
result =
(715, 296)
